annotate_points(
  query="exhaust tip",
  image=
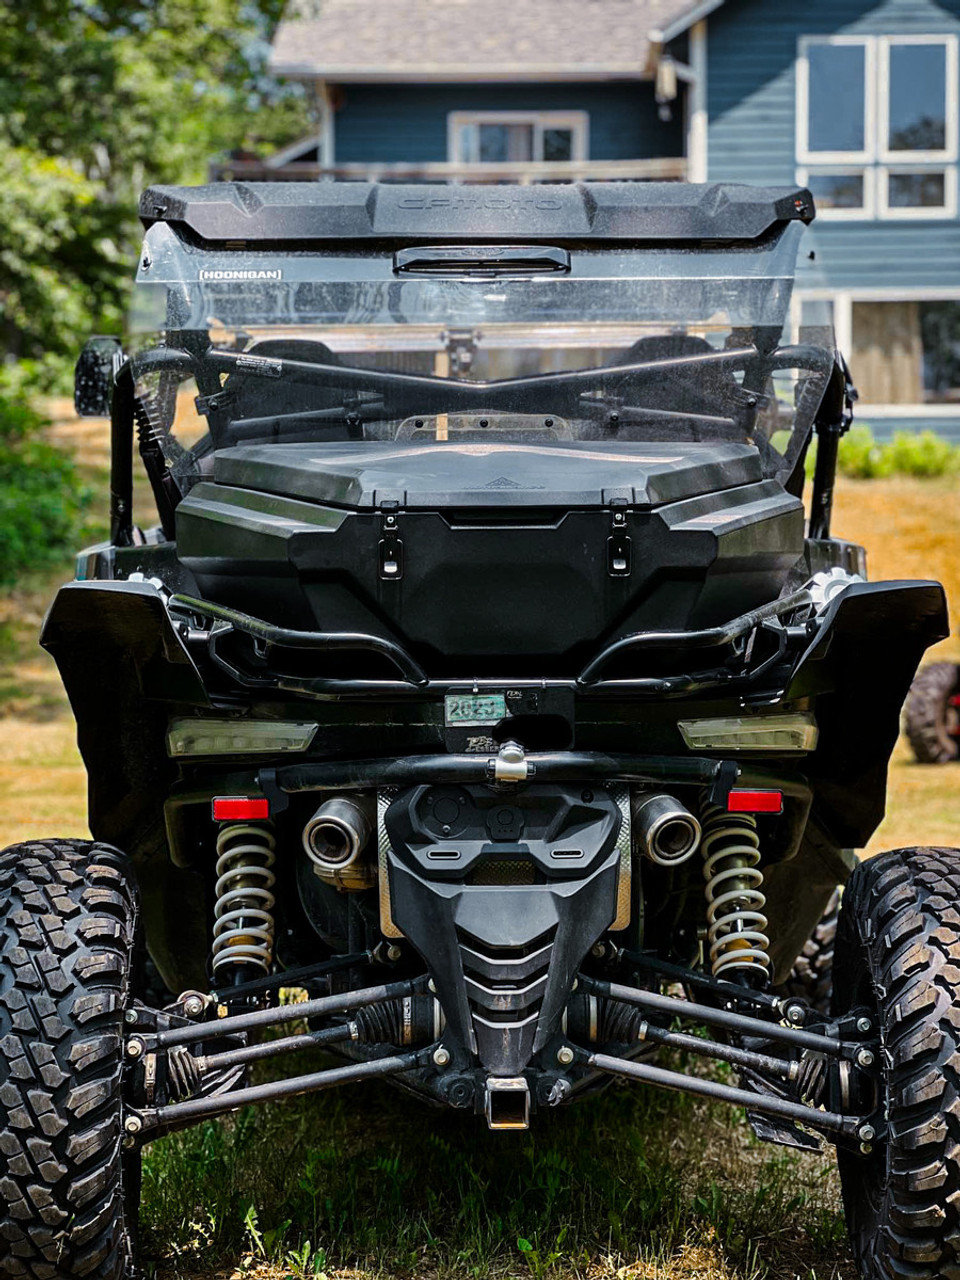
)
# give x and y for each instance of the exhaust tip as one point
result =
(331, 843)
(336, 834)
(669, 831)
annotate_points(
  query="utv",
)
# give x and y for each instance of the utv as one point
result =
(931, 717)
(482, 677)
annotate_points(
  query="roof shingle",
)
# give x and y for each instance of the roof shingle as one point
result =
(431, 39)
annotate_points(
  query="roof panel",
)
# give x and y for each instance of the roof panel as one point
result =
(324, 212)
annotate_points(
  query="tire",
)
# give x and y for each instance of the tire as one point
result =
(930, 720)
(68, 1190)
(811, 978)
(898, 953)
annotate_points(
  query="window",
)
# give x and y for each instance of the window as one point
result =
(498, 137)
(877, 125)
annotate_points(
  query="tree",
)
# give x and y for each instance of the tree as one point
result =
(97, 99)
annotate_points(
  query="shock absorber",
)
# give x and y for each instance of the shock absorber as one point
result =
(243, 913)
(735, 901)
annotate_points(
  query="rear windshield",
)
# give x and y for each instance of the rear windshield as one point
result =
(523, 344)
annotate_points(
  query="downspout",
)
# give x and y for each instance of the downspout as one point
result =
(697, 99)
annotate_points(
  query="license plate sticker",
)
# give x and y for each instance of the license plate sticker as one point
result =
(475, 708)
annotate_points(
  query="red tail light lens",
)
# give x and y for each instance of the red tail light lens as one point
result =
(240, 808)
(741, 800)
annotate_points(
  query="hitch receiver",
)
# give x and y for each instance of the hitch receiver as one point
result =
(507, 1102)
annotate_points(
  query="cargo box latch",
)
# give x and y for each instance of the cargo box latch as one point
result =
(619, 549)
(391, 544)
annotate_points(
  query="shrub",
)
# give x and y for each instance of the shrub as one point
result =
(909, 453)
(923, 454)
(862, 457)
(41, 496)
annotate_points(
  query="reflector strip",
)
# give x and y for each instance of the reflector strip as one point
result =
(743, 801)
(233, 808)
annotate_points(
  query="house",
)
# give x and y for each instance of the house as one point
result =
(857, 99)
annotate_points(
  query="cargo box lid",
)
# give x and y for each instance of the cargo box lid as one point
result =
(576, 474)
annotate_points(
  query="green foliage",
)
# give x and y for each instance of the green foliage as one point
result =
(98, 98)
(909, 453)
(41, 497)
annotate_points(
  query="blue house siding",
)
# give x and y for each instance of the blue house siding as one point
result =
(382, 124)
(752, 48)
(751, 99)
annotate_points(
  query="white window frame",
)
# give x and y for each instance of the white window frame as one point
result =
(869, 207)
(804, 154)
(843, 300)
(912, 213)
(877, 161)
(578, 122)
(904, 159)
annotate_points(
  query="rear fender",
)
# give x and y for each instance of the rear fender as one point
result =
(858, 669)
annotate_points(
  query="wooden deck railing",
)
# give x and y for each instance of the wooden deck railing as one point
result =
(663, 169)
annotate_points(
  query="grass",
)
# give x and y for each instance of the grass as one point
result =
(632, 1185)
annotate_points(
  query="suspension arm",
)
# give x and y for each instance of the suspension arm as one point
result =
(759, 1062)
(179, 1114)
(738, 1022)
(725, 990)
(831, 1121)
(322, 1007)
(274, 1048)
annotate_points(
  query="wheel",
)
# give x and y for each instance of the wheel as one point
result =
(811, 977)
(932, 716)
(68, 1190)
(898, 954)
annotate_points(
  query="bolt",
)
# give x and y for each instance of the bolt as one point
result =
(866, 1133)
(864, 1058)
(564, 1055)
(394, 952)
(795, 1014)
(193, 1006)
(133, 1124)
(863, 1025)
(129, 1143)
(599, 950)
(134, 1048)
(441, 1056)
(130, 1017)
(865, 1148)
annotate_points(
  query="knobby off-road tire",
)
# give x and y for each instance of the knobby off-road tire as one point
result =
(68, 1190)
(898, 953)
(811, 977)
(928, 714)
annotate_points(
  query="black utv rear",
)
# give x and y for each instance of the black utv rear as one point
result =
(485, 675)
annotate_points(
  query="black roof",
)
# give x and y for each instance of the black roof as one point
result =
(303, 212)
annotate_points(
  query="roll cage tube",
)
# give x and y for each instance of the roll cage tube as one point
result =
(833, 416)
(833, 420)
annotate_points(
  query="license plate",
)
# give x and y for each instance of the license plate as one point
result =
(475, 708)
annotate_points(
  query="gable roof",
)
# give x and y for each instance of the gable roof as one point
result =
(368, 40)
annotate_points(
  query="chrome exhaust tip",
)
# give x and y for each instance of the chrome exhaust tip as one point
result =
(668, 831)
(335, 835)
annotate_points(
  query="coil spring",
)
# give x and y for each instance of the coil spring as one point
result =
(243, 913)
(735, 900)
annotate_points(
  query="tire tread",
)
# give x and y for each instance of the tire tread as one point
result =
(67, 932)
